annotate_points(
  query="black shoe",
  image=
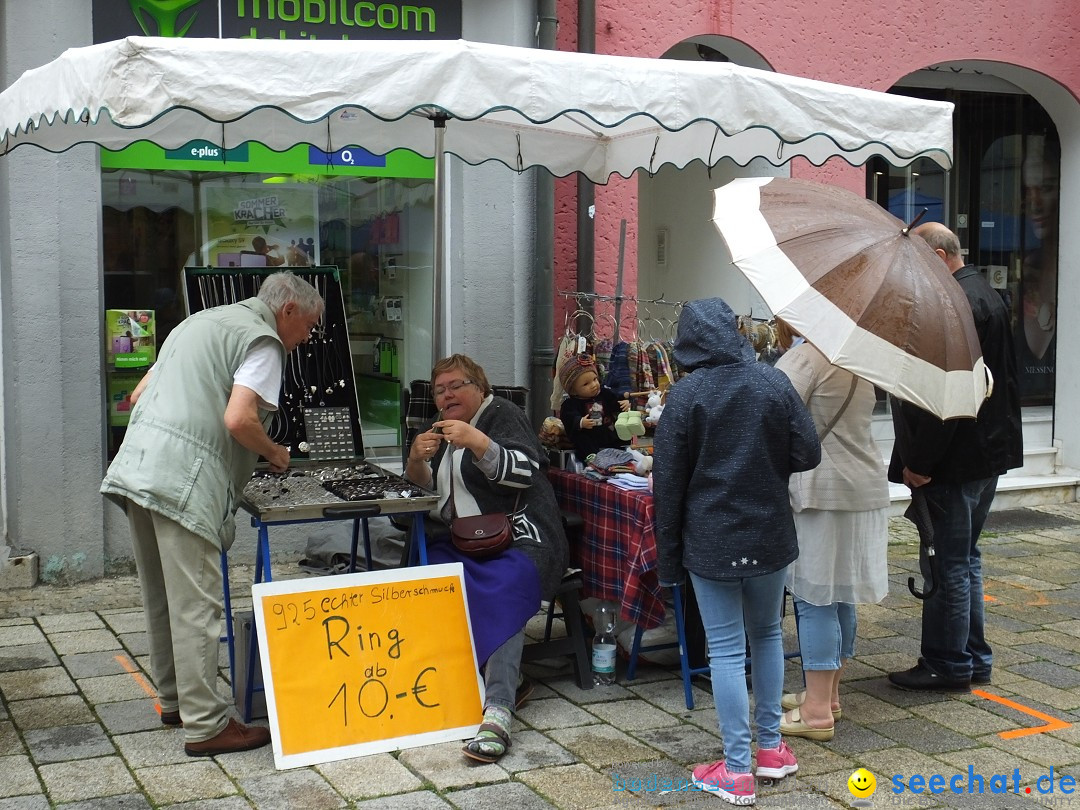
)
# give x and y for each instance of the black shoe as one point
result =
(980, 679)
(921, 679)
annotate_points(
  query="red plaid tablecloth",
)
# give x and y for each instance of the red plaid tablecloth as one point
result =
(618, 550)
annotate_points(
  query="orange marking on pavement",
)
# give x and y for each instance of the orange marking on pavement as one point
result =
(139, 679)
(988, 598)
(1052, 723)
(1040, 599)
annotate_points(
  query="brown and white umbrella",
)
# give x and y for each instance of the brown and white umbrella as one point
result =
(847, 276)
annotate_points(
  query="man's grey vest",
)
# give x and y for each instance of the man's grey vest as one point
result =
(177, 458)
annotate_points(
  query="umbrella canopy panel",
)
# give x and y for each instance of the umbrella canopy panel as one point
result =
(568, 112)
(846, 275)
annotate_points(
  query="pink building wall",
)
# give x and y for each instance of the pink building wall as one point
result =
(856, 42)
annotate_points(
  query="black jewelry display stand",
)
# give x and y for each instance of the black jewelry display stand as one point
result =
(317, 406)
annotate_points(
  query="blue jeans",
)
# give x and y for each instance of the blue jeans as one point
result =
(826, 634)
(953, 639)
(731, 611)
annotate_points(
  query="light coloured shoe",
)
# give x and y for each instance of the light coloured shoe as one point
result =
(792, 725)
(776, 763)
(733, 788)
(793, 700)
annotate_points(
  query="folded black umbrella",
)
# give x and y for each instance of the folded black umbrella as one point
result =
(918, 512)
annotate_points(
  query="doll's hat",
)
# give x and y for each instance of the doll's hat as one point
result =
(574, 367)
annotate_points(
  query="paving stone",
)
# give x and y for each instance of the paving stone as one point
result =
(60, 710)
(66, 743)
(1042, 749)
(987, 760)
(82, 641)
(146, 749)
(444, 766)
(66, 622)
(867, 709)
(27, 656)
(573, 787)
(26, 803)
(126, 716)
(568, 688)
(817, 758)
(128, 621)
(87, 779)
(633, 715)
(195, 779)
(21, 635)
(28, 684)
(1048, 673)
(136, 643)
(10, 743)
(294, 789)
(19, 777)
(603, 746)
(94, 664)
(1053, 700)
(423, 800)
(496, 797)
(852, 738)
(370, 776)
(963, 718)
(669, 696)
(111, 688)
(928, 737)
(554, 713)
(228, 803)
(686, 744)
(531, 750)
(130, 801)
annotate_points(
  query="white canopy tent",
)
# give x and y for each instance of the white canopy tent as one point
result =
(566, 112)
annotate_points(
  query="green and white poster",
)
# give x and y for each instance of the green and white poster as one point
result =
(259, 225)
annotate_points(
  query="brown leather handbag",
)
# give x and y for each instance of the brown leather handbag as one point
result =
(479, 535)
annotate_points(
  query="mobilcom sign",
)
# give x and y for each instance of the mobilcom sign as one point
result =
(277, 19)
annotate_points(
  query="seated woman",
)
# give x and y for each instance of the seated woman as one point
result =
(486, 443)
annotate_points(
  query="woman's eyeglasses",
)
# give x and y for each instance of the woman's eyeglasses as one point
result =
(456, 385)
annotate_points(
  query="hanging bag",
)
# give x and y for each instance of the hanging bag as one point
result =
(479, 536)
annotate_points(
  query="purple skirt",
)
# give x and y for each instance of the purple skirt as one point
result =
(503, 593)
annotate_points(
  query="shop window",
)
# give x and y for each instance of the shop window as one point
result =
(1001, 199)
(376, 230)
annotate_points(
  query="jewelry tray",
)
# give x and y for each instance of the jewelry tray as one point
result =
(314, 490)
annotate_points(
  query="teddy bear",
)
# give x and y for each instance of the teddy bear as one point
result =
(654, 407)
(590, 410)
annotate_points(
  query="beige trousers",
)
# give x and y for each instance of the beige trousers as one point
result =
(180, 576)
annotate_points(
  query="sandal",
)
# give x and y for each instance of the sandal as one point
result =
(489, 745)
(793, 700)
(792, 725)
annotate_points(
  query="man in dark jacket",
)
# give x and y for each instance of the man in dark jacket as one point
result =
(956, 465)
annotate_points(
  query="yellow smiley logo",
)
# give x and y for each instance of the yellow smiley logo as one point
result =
(862, 784)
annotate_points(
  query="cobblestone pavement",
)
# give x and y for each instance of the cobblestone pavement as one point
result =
(78, 728)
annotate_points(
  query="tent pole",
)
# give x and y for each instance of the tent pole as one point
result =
(543, 341)
(438, 254)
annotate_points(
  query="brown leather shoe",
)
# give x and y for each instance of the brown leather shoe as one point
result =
(171, 718)
(234, 737)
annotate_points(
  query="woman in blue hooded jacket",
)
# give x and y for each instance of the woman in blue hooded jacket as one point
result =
(732, 433)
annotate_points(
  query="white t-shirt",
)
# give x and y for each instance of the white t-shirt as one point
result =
(261, 372)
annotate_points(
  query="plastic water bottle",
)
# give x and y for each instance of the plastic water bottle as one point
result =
(603, 648)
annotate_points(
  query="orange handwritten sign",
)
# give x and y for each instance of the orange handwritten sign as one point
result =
(362, 663)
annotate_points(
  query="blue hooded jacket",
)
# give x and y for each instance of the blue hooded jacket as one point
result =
(731, 434)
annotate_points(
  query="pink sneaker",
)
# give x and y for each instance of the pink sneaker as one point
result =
(776, 763)
(733, 788)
